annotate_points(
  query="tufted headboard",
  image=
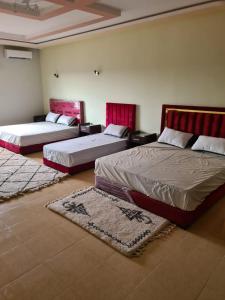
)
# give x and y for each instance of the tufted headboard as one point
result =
(68, 108)
(121, 114)
(199, 120)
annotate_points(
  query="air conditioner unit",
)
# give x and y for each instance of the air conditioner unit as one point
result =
(18, 54)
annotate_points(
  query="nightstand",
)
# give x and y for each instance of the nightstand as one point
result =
(39, 118)
(88, 128)
(139, 138)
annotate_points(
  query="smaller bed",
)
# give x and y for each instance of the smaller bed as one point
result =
(79, 154)
(31, 137)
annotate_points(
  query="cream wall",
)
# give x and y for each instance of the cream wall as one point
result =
(179, 60)
(20, 89)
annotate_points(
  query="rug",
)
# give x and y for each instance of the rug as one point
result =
(121, 224)
(19, 174)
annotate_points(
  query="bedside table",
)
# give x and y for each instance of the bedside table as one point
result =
(39, 118)
(88, 128)
(139, 138)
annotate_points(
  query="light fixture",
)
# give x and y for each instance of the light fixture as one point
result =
(28, 6)
(96, 72)
(56, 75)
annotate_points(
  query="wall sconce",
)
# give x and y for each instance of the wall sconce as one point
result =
(96, 72)
(56, 75)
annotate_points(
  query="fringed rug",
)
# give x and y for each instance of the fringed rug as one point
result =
(121, 224)
(19, 174)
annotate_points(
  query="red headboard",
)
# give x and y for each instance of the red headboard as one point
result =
(121, 114)
(199, 120)
(68, 108)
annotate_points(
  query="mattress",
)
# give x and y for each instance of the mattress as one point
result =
(36, 133)
(82, 150)
(178, 177)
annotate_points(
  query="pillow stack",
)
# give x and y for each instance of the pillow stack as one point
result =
(60, 119)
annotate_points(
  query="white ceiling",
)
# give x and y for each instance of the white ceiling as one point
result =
(28, 31)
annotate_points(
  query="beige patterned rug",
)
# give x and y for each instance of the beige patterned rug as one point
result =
(122, 225)
(19, 175)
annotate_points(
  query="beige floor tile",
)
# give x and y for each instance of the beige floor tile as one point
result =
(1, 296)
(217, 224)
(8, 205)
(137, 268)
(68, 294)
(71, 230)
(16, 215)
(3, 226)
(97, 247)
(5, 275)
(216, 281)
(73, 263)
(14, 291)
(8, 240)
(49, 243)
(151, 290)
(103, 283)
(208, 294)
(16, 262)
(38, 284)
(29, 229)
(182, 276)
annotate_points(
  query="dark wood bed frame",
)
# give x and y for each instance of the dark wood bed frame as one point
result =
(68, 108)
(199, 120)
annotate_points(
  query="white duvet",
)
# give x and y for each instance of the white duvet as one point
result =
(84, 149)
(178, 177)
(36, 133)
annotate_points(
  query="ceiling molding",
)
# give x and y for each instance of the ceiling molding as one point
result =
(102, 13)
(65, 5)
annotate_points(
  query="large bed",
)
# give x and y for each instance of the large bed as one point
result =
(178, 184)
(79, 154)
(31, 137)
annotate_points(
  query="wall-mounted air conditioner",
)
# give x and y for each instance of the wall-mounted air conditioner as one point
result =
(18, 54)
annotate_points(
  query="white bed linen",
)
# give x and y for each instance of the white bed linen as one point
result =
(84, 149)
(36, 133)
(178, 177)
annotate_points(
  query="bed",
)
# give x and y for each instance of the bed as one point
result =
(79, 154)
(178, 184)
(31, 137)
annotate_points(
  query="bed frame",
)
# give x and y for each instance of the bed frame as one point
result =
(116, 113)
(199, 120)
(68, 108)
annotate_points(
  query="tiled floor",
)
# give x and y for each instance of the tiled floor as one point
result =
(44, 256)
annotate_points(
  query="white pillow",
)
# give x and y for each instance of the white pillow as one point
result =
(175, 137)
(211, 144)
(52, 117)
(115, 130)
(66, 120)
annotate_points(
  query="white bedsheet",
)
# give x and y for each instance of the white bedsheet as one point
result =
(84, 149)
(178, 177)
(36, 133)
